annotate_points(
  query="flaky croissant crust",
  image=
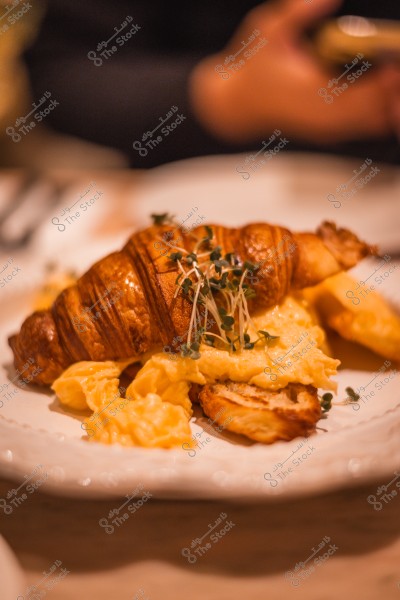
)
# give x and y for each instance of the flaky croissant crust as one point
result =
(124, 306)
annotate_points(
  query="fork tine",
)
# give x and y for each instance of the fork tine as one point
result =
(28, 182)
(24, 238)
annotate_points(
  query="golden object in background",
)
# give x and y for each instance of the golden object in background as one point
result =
(18, 27)
(342, 39)
(56, 282)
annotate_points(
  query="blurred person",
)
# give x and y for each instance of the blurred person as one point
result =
(171, 61)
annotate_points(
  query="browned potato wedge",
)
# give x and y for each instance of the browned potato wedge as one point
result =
(262, 415)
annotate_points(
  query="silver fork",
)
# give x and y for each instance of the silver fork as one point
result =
(32, 181)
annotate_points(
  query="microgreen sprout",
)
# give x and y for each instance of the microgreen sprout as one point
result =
(215, 283)
(326, 402)
(352, 396)
(175, 256)
(268, 337)
(162, 219)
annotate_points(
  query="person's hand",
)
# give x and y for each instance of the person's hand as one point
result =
(277, 86)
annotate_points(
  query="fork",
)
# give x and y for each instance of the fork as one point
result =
(32, 180)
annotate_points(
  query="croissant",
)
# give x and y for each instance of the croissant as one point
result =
(126, 304)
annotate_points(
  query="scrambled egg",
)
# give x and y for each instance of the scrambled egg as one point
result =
(157, 407)
(148, 422)
(55, 283)
(89, 384)
(358, 313)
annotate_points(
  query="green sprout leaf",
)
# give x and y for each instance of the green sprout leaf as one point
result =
(186, 285)
(268, 337)
(161, 219)
(249, 345)
(191, 351)
(326, 403)
(249, 293)
(219, 265)
(224, 280)
(352, 395)
(231, 259)
(185, 350)
(216, 254)
(175, 256)
(227, 323)
(205, 290)
(191, 258)
(250, 266)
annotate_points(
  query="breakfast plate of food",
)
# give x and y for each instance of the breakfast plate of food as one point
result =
(206, 361)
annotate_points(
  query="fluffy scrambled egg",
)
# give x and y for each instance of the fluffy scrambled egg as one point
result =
(358, 313)
(157, 408)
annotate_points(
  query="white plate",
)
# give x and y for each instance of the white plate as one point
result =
(292, 190)
(11, 576)
(42, 442)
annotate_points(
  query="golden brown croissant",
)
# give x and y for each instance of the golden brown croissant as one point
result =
(126, 304)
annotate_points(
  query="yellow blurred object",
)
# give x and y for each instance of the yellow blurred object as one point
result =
(342, 39)
(18, 28)
(56, 283)
(368, 320)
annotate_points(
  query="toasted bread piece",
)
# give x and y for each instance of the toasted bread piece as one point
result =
(262, 415)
